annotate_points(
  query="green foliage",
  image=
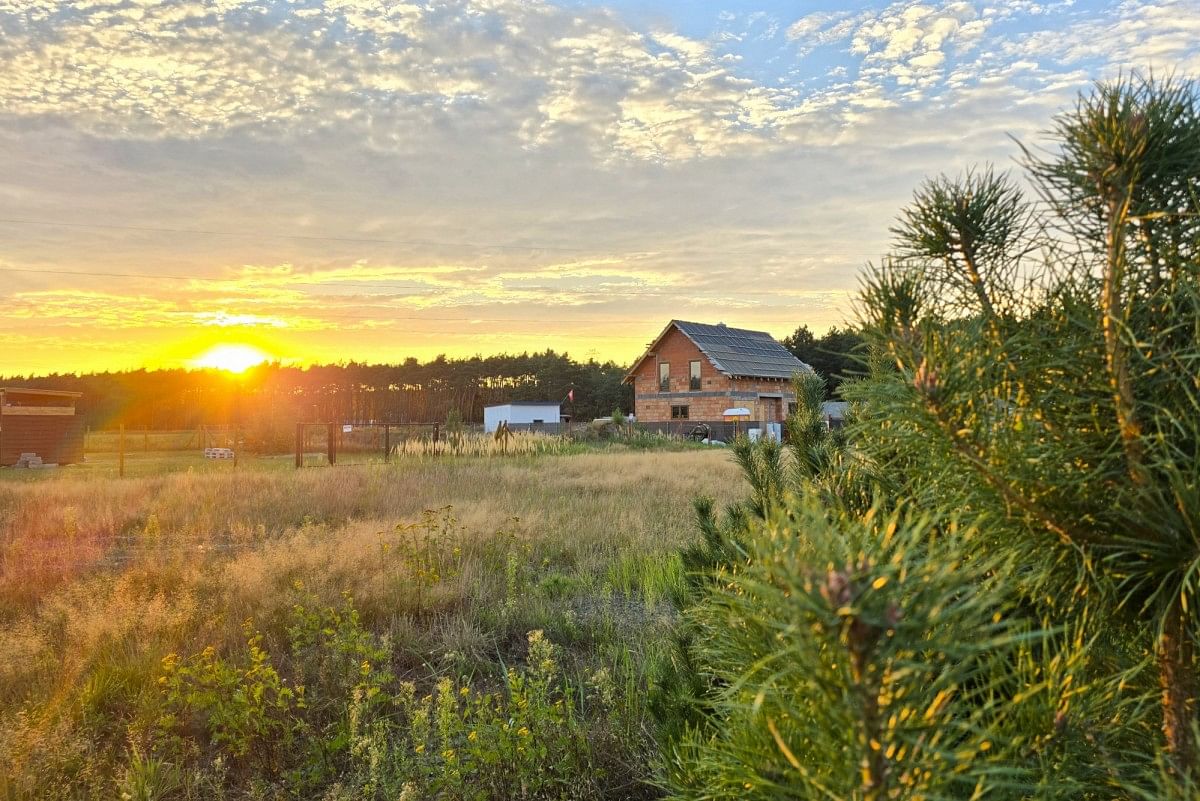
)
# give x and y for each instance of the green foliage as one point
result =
(719, 546)
(816, 449)
(885, 657)
(968, 234)
(836, 355)
(1055, 396)
(374, 736)
(526, 740)
(970, 595)
(682, 691)
(246, 709)
(762, 464)
(148, 778)
(336, 660)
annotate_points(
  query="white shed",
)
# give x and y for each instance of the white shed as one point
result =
(521, 413)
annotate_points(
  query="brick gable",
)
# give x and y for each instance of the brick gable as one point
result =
(717, 392)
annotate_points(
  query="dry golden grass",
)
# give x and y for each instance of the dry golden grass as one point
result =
(521, 443)
(69, 525)
(100, 578)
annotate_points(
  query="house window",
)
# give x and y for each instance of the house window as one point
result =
(679, 412)
(694, 375)
(664, 377)
(792, 408)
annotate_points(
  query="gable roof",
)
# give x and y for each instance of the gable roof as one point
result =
(736, 352)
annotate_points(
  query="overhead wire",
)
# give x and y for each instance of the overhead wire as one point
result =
(374, 240)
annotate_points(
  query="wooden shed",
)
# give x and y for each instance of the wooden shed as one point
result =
(41, 422)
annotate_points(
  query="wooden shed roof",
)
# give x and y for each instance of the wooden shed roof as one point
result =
(56, 393)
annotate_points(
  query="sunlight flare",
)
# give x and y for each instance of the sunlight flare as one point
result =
(231, 358)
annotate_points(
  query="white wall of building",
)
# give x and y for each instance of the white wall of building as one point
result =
(519, 414)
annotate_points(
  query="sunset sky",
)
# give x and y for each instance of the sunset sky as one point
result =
(372, 180)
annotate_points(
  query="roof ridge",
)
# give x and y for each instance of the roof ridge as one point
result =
(736, 352)
(726, 327)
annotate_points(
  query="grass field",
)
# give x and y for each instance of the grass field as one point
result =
(157, 630)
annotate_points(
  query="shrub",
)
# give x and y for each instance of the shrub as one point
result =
(1029, 434)
(524, 741)
(243, 705)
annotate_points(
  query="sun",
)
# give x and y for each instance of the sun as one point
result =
(231, 358)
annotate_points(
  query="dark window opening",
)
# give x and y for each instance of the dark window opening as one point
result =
(694, 376)
(679, 412)
(792, 408)
(664, 377)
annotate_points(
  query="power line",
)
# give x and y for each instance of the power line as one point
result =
(558, 335)
(369, 240)
(303, 237)
(425, 288)
(172, 277)
(469, 320)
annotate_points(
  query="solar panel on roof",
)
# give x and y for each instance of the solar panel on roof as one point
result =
(742, 352)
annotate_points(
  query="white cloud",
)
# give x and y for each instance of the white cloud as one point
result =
(615, 171)
(538, 72)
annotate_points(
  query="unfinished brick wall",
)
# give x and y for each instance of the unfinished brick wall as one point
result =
(717, 391)
(678, 351)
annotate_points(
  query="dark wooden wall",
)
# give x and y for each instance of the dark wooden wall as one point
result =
(58, 439)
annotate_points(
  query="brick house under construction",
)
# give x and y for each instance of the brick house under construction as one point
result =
(693, 372)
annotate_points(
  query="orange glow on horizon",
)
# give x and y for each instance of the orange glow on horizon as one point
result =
(232, 358)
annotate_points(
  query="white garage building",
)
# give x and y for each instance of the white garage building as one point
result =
(522, 414)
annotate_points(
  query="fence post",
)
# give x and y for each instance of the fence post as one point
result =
(331, 444)
(121, 452)
(299, 445)
(436, 433)
(387, 442)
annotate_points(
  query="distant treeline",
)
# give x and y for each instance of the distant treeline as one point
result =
(274, 396)
(838, 355)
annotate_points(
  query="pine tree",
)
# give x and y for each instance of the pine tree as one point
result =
(1050, 353)
(989, 588)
